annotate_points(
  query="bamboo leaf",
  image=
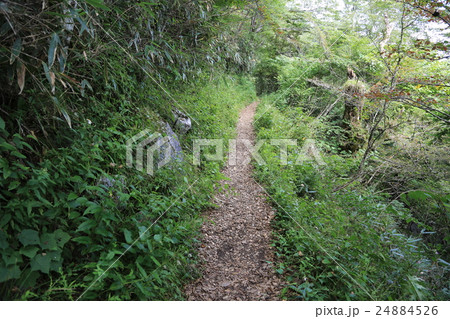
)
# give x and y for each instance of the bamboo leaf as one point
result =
(85, 84)
(62, 111)
(50, 77)
(52, 81)
(84, 27)
(15, 50)
(52, 49)
(67, 117)
(21, 70)
(145, 3)
(98, 4)
(4, 29)
(62, 60)
(47, 72)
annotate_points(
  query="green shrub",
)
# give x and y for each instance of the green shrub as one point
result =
(266, 74)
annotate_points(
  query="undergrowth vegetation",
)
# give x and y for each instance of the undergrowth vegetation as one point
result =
(347, 245)
(66, 218)
(78, 80)
(370, 218)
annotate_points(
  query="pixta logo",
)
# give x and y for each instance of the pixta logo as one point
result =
(148, 143)
(242, 151)
(160, 151)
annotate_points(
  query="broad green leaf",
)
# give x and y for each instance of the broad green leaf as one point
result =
(15, 50)
(29, 251)
(72, 196)
(93, 209)
(29, 237)
(143, 232)
(85, 226)
(55, 260)
(13, 185)
(110, 255)
(80, 200)
(128, 237)
(41, 262)
(103, 231)
(61, 237)
(12, 257)
(116, 285)
(158, 238)
(48, 242)
(2, 124)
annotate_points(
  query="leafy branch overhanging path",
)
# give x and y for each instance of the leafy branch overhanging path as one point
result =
(236, 247)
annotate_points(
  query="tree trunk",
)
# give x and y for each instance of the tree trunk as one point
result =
(387, 33)
(354, 102)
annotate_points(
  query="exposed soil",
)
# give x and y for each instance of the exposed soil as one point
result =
(235, 247)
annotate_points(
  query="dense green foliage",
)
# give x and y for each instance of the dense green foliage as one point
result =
(373, 222)
(347, 245)
(90, 76)
(78, 209)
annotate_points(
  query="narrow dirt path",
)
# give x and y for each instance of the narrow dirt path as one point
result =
(236, 235)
